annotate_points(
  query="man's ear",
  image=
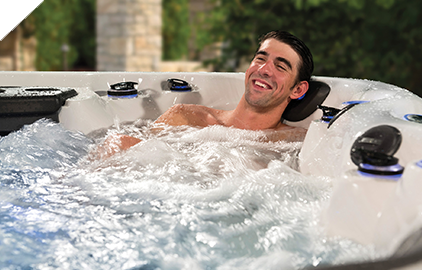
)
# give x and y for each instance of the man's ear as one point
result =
(299, 90)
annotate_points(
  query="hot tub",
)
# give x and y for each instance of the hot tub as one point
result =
(196, 198)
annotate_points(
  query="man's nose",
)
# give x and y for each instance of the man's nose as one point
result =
(265, 69)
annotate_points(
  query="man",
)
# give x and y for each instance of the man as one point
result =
(279, 72)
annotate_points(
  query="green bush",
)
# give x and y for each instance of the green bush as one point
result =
(377, 40)
(59, 22)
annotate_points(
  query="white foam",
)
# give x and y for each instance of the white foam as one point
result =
(196, 198)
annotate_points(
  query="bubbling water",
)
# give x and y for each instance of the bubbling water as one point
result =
(183, 198)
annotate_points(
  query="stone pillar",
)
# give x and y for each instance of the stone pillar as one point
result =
(128, 35)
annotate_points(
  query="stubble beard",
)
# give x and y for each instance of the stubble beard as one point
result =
(261, 101)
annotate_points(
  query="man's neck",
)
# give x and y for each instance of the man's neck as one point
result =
(247, 117)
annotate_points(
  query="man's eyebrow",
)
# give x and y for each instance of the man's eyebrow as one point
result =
(285, 61)
(280, 59)
(262, 53)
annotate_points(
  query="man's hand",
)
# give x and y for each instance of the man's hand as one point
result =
(115, 143)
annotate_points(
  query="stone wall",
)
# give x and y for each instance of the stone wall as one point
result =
(128, 35)
(128, 39)
(16, 52)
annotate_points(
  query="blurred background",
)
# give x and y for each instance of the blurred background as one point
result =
(367, 39)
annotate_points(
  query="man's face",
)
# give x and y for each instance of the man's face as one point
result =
(272, 75)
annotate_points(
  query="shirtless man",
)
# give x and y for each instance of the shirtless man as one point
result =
(279, 72)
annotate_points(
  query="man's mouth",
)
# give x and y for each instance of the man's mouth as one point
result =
(262, 84)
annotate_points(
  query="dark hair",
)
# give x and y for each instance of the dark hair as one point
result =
(306, 67)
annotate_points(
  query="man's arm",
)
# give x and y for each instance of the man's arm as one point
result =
(178, 115)
(114, 144)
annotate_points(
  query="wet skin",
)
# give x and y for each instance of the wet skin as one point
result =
(270, 83)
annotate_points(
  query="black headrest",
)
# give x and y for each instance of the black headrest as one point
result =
(297, 110)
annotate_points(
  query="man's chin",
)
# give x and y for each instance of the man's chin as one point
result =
(256, 102)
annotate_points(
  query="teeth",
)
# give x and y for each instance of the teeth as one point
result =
(261, 85)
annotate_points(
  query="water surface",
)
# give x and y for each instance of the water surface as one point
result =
(212, 198)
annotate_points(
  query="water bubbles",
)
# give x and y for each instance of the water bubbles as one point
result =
(182, 198)
(44, 144)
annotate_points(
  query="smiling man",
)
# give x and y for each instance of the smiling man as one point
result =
(279, 72)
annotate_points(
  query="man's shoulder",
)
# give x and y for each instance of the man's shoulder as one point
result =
(197, 109)
(190, 114)
(189, 107)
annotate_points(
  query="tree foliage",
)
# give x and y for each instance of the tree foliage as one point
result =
(176, 30)
(58, 22)
(378, 39)
(83, 34)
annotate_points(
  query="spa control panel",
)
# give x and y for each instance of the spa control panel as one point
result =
(24, 105)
